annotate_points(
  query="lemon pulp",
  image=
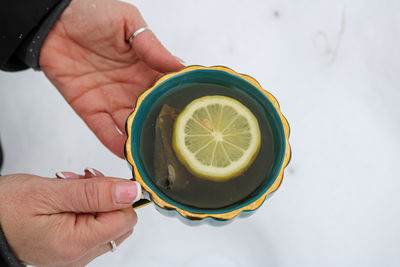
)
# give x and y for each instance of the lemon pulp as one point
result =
(216, 137)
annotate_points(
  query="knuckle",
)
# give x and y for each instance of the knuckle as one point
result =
(131, 8)
(130, 217)
(134, 219)
(91, 196)
(130, 12)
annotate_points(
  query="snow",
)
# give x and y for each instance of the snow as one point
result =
(338, 85)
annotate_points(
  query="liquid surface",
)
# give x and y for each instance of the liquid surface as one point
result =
(198, 192)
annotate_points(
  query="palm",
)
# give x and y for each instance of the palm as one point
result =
(98, 72)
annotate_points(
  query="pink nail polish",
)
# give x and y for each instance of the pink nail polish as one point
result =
(181, 61)
(67, 175)
(127, 192)
(93, 172)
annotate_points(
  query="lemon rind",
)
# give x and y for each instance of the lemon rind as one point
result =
(210, 172)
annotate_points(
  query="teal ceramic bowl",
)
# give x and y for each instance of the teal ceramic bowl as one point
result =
(241, 84)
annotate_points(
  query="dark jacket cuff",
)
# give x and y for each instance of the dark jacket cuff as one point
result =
(23, 31)
(29, 51)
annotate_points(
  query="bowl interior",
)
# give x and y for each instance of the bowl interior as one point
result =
(214, 77)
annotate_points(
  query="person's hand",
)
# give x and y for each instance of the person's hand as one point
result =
(65, 222)
(88, 57)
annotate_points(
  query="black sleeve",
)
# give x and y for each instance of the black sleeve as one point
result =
(24, 25)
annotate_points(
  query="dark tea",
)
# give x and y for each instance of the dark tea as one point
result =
(161, 162)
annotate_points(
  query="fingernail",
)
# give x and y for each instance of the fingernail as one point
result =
(181, 61)
(118, 130)
(127, 192)
(67, 175)
(139, 192)
(93, 172)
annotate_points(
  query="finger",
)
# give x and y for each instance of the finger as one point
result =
(103, 125)
(92, 172)
(120, 118)
(97, 194)
(122, 238)
(89, 173)
(101, 249)
(111, 225)
(105, 226)
(146, 45)
(104, 248)
(67, 175)
(154, 54)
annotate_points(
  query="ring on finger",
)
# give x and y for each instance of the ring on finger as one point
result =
(138, 31)
(113, 246)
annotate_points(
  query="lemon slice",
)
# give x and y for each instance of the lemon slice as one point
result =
(216, 137)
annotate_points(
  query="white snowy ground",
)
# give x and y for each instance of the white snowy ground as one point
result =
(334, 67)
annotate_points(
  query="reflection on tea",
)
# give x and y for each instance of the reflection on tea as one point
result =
(171, 167)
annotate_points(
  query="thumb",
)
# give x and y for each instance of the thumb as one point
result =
(94, 195)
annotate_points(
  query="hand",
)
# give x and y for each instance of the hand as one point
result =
(65, 222)
(88, 57)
